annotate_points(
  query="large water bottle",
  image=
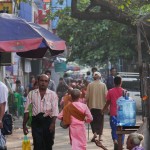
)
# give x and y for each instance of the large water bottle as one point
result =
(126, 111)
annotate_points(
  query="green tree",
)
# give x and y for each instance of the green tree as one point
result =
(101, 30)
(125, 11)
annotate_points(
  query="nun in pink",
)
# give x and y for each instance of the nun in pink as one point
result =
(76, 114)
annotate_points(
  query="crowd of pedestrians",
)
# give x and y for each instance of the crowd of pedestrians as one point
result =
(74, 102)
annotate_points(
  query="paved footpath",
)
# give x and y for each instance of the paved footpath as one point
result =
(14, 141)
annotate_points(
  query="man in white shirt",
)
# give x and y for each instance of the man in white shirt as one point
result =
(44, 113)
(3, 101)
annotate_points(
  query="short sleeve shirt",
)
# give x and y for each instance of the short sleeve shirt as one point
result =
(112, 96)
(49, 102)
(3, 94)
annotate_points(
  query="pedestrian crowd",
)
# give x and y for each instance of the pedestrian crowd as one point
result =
(74, 102)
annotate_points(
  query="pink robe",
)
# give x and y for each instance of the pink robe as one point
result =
(77, 128)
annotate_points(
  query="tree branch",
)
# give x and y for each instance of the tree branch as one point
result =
(107, 11)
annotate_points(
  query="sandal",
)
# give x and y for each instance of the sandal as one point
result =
(99, 144)
(94, 137)
(93, 140)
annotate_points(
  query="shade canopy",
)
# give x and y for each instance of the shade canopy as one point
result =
(27, 39)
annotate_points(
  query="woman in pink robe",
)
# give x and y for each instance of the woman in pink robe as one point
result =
(77, 128)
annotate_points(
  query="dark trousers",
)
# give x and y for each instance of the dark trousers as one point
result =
(43, 139)
(113, 126)
(98, 121)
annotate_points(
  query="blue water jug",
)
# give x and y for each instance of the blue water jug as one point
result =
(126, 111)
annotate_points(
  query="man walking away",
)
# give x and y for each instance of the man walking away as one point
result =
(112, 97)
(96, 98)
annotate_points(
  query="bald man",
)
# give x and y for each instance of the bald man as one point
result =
(44, 112)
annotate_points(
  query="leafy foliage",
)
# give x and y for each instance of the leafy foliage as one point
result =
(101, 40)
(96, 41)
(135, 8)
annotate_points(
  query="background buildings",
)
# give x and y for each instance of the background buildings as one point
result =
(36, 11)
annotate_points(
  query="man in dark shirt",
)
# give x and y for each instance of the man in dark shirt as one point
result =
(61, 89)
(110, 79)
(51, 84)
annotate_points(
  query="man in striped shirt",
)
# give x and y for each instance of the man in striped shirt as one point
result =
(44, 113)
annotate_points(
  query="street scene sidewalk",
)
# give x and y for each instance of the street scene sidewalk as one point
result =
(14, 141)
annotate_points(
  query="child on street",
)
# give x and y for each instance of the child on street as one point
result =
(75, 114)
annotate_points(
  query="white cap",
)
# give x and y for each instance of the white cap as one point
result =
(97, 73)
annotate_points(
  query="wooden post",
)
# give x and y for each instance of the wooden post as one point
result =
(119, 128)
(121, 131)
(139, 45)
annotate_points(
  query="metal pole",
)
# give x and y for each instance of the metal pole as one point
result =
(88, 132)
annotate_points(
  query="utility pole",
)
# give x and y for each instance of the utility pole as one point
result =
(145, 125)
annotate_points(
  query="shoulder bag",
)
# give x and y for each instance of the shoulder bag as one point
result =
(7, 124)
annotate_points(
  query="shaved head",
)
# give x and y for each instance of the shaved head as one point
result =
(75, 94)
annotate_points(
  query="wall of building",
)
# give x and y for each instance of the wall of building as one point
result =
(26, 11)
(57, 6)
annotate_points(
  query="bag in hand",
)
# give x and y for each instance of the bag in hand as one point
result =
(63, 125)
(26, 143)
(7, 124)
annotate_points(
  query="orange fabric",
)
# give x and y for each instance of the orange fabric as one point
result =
(71, 110)
(67, 99)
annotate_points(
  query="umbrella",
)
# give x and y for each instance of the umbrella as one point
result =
(27, 39)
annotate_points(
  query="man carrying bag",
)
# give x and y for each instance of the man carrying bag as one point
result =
(44, 112)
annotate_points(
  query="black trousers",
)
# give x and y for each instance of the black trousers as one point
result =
(98, 121)
(43, 139)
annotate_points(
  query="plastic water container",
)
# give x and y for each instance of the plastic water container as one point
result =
(126, 111)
